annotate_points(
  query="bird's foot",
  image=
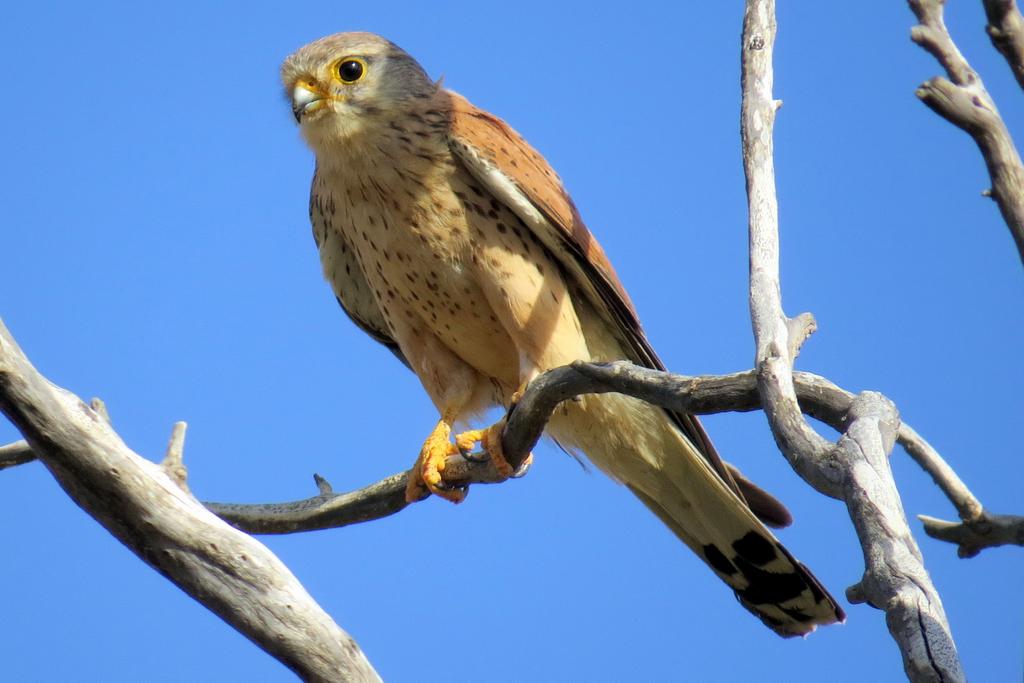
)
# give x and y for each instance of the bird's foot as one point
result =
(426, 472)
(490, 439)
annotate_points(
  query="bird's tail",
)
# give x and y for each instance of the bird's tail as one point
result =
(640, 446)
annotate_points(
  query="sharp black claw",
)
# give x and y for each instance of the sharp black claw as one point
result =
(523, 468)
(475, 456)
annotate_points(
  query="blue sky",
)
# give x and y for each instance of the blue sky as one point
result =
(157, 254)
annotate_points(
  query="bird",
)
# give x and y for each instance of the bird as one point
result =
(450, 240)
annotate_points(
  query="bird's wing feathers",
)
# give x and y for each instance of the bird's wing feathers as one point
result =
(473, 133)
(518, 175)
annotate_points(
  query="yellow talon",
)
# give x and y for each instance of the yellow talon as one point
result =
(429, 465)
(426, 477)
(490, 439)
(466, 440)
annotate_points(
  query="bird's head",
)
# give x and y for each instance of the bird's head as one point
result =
(343, 86)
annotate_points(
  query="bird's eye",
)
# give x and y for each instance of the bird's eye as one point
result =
(351, 70)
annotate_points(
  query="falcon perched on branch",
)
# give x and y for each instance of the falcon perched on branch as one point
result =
(450, 240)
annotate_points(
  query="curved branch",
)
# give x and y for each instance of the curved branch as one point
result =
(330, 510)
(229, 572)
(963, 101)
(701, 395)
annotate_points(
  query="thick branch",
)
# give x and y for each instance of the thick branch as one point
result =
(856, 469)
(228, 571)
(895, 579)
(963, 101)
(1006, 29)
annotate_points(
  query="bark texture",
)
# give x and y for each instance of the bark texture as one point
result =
(144, 506)
(856, 469)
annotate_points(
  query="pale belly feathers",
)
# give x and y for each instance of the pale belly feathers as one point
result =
(407, 260)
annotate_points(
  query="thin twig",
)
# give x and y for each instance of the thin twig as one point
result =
(971, 537)
(100, 408)
(967, 506)
(799, 331)
(17, 453)
(963, 101)
(330, 510)
(173, 462)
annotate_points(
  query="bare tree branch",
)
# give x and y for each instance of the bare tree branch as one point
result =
(173, 463)
(805, 449)
(978, 528)
(856, 470)
(967, 506)
(971, 537)
(329, 510)
(228, 571)
(1006, 29)
(799, 330)
(963, 101)
(17, 453)
(701, 395)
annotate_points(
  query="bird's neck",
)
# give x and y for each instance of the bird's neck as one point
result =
(393, 154)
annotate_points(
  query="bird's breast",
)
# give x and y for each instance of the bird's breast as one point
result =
(412, 241)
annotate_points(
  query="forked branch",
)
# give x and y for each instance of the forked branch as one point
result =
(856, 469)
